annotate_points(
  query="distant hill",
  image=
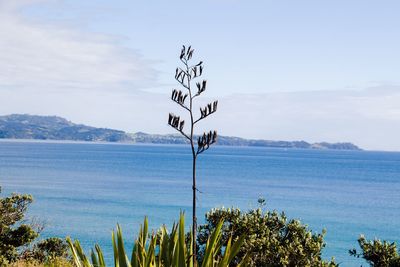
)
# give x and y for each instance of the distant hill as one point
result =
(18, 126)
(237, 141)
(23, 126)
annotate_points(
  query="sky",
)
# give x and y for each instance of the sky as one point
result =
(281, 70)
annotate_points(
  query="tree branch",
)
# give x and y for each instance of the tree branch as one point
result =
(201, 118)
(207, 110)
(205, 141)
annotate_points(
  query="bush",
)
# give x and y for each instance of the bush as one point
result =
(377, 253)
(47, 250)
(13, 235)
(270, 239)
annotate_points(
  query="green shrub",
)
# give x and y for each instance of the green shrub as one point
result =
(270, 239)
(12, 234)
(161, 249)
(377, 253)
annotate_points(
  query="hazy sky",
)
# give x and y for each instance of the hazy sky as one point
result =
(283, 70)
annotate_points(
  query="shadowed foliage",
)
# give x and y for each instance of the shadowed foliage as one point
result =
(47, 251)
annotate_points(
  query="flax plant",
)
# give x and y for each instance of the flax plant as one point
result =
(161, 249)
(185, 77)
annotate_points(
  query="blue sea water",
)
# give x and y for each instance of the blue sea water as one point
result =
(83, 189)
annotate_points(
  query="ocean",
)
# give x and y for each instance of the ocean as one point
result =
(83, 190)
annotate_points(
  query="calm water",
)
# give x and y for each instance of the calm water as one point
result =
(83, 190)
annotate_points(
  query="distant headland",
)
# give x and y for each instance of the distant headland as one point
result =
(33, 127)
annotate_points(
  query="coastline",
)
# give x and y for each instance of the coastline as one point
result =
(53, 141)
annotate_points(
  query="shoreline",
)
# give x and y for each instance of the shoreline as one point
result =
(53, 141)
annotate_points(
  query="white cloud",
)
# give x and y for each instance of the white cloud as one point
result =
(42, 57)
(369, 118)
